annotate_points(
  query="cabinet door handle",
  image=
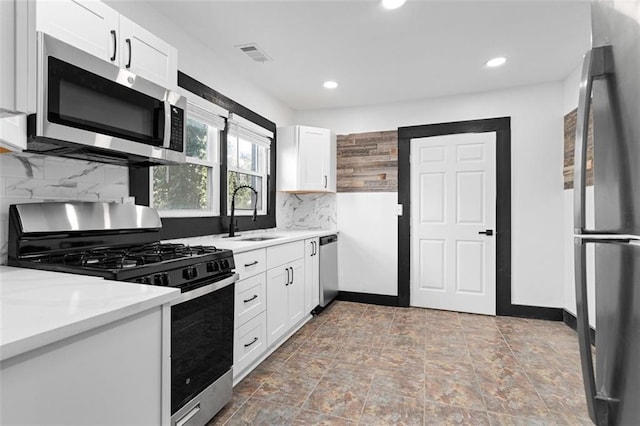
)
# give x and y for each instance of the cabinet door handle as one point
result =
(246, 265)
(255, 296)
(315, 248)
(288, 277)
(128, 41)
(325, 181)
(255, 339)
(115, 44)
(291, 276)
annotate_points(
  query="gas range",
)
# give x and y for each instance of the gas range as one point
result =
(121, 242)
(114, 241)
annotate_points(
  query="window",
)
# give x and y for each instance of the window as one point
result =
(248, 155)
(192, 189)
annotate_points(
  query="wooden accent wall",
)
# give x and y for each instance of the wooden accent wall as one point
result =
(368, 162)
(569, 149)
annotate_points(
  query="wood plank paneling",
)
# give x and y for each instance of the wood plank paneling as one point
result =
(368, 162)
(569, 149)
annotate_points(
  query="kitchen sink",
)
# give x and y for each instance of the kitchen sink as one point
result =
(258, 238)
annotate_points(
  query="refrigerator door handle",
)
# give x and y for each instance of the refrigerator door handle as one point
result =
(584, 333)
(596, 64)
(600, 406)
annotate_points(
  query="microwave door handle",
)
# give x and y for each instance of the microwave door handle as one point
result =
(166, 140)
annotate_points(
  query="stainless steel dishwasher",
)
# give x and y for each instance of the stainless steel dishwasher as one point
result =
(328, 269)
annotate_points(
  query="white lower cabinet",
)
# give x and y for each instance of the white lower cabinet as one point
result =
(115, 374)
(311, 274)
(278, 288)
(250, 342)
(250, 334)
(285, 298)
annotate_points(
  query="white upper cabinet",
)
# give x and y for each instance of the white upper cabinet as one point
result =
(18, 53)
(89, 25)
(94, 27)
(306, 159)
(147, 55)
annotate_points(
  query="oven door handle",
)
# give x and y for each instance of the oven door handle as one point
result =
(209, 288)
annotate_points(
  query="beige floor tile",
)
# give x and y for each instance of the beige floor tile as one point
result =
(314, 418)
(395, 365)
(445, 415)
(260, 412)
(392, 409)
(338, 399)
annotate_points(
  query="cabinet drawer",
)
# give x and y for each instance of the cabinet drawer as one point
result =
(251, 342)
(250, 298)
(284, 253)
(250, 263)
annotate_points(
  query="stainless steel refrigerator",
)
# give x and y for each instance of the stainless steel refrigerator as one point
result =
(610, 87)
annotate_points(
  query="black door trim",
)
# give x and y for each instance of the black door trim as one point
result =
(502, 127)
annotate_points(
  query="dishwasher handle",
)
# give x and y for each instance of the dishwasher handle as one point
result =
(328, 239)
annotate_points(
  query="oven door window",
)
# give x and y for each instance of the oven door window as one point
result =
(201, 343)
(81, 99)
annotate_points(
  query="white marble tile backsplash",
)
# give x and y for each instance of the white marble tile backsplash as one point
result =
(305, 211)
(31, 178)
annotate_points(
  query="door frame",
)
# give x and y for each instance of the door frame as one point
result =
(502, 127)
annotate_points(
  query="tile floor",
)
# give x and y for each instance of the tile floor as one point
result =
(375, 365)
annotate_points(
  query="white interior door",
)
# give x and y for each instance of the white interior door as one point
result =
(453, 201)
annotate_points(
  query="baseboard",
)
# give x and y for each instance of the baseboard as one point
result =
(534, 312)
(569, 319)
(373, 299)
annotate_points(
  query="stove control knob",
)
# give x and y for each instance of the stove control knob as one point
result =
(157, 279)
(225, 263)
(190, 273)
(145, 280)
(165, 279)
(210, 266)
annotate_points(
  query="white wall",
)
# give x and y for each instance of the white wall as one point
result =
(368, 242)
(201, 63)
(537, 158)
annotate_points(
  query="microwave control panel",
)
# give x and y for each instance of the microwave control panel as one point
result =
(177, 129)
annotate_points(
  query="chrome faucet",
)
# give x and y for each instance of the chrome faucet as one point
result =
(232, 227)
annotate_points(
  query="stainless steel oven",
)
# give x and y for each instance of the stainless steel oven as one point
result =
(121, 242)
(91, 109)
(202, 352)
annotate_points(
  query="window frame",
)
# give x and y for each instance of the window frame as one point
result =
(258, 141)
(187, 226)
(212, 164)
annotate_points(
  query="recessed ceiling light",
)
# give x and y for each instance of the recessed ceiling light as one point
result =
(392, 4)
(496, 62)
(330, 84)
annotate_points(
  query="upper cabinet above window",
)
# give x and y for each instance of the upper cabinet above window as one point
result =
(94, 27)
(306, 159)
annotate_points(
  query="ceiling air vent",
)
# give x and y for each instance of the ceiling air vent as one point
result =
(254, 52)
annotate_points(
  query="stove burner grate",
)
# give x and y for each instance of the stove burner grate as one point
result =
(128, 257)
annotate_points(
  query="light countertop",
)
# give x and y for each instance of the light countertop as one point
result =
(41, 307)
(238, 246)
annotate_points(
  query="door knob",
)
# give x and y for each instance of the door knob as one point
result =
(488, 232)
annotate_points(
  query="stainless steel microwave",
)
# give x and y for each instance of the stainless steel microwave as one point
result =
(90, 109)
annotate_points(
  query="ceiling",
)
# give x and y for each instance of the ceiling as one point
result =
(424, 49)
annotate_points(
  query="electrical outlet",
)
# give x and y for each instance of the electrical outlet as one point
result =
(399, 209)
